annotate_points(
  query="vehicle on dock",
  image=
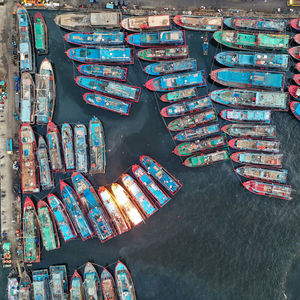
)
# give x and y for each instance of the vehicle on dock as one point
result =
(249, 130)
(163, 53)
(255, 145)
(27, 99)
(233, 115)
(40, 34)
(91, 283)
(58, 282)
(295, 24)
(25, 289)
(67, 146)
(180, 95)
(296, 38)
(294, 91)
(295, 52)
(295, 108)
(267, 159)
(80, 133)
(76, 287)
(40, 284)
(124, 282)
(108, 285)
(199, 23)
(12, 287)
(205, 159)
(296, 78)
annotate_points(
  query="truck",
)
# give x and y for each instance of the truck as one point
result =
(293, 2)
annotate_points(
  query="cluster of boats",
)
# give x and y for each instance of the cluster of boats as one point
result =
(53, 284)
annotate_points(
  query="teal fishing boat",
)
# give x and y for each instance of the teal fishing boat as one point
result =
(91, 283)
(180, 95)
(205, 159)
(27, 99)
(58, 282)
(261, 116)
(255, 158)
(76, 287)
(40, 284)
(67, 146)
(80, 133)
(256, 24)
(40, 34)
(124, 282)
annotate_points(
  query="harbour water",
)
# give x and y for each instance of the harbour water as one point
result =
(214, 239)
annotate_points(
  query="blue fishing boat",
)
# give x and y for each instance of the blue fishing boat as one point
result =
(108, 103)
(80, 222)
(76, 287)
(110, 88)
(91, 202)
(80, 133)
(91, 283)
(109, 72)
(63, 221)
(152, 188)
(67, 146)
(121, 55)
(159, 38)
(97, 38)
(40, 283)
(124, 282)
(27, 99)
(262, 116)
(58, 282)
(168, 67)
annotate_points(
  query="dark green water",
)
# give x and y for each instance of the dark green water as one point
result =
(214, 240)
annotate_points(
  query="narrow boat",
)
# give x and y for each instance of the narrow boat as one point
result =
(40, 34)
(295, 52)
(163, 53)
(189, 148)
(262, 173)
(109, 72)
(78, 217)
(12, 287)
(206, 159)
(31, 235)
(169, 67)
(255, 145)
(47, 227)
(76, 287)
(297, 38)
(25, 286)
(29, 174)
(137, 194)
(80, 133)
(250, 98)
(294, 91)
(108, 103)
(45, 93)
(118, 219)
(46, 178)
(197, 133)
(146, 23)
(252, 40)
(191, 121)
(186, 107)
(91, 202)
(273, 160)
(269, 189)
(248, 130)
(255, 24)
(97, 38)
(91, 283)
(110, 88)
(246, 78)
(253, 59)
(67, 146)
(40, 284)
(54, 147)
(198, 23)
(151, 187)
(58, 282)
(295, 23)
(160, 174)
(108, 285)
(180, 95)
(124, 282)
(63, 221)
(115, 55)
(97, 146)
(297, 66)
(205, 45)
(295, 108)
(233, 115)
(296, 78)
(27, 99)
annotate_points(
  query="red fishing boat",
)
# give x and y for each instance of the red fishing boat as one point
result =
(295, 108)
(295, 52)
(297, 38)
(294, 90)
(295, 23)
(296, 78)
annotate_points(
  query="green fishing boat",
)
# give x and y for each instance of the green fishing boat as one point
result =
(40, 34)
(206, 159)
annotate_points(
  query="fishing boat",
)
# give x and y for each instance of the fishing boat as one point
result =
(76, 287)
(111, 55)
(261, 116)
(295, 23)
(262, 173)
(198, 23)
(176, 81)
(40, 284)
(63, 221)
(248, 130)
(78, 217)
(294, 91)
(295, 52)
(169, 67)
(273, 160)
(119, 220)
(252, 40)
(110, 88)
(126, 204)
(67, 146)
(80, 133)
(91, 283)
(58, 282)
(186, 107)
(109, 72)
(269, 189)
(27, 99)
(54, 147)
(250, 98)
(246, 78)
(255, 145)
(146, 23)
(189, 148)
(297, 66)
(89, 21)
(12, 287)
(108, 103)
(295, 108)
(46, 178)
(29, 175)
(206, 159)
(253, 59)
(197, 133)
(296, 78)
(47, 227)
(97, 146)
(25, 286)
(124, 282)
(296, 38)
(91, 202)
(31, 236)
(45, 93)
(163, 53)
(180, 95)
(40, 34)
(108, 285)
(255, 24)
(97, 38)
(191, 121)
(151, 187)
(160, 174)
